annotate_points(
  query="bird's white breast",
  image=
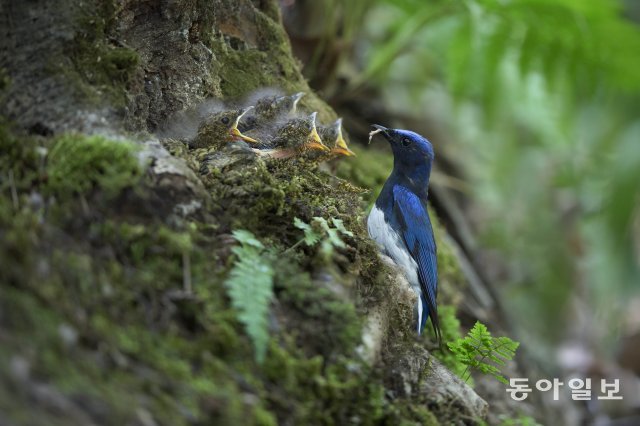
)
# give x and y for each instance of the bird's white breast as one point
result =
(392, 245)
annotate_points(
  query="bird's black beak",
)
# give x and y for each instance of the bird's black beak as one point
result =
(379, 129)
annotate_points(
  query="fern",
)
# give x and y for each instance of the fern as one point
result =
(311, 237)
(319, 231)
(250, 288)
(484, 352)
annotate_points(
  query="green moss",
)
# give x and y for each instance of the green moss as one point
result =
(130, 353)
(100, 307)
(342, 392)
(238, 78)
(271, 9)
(237, 59)
(143, 341)
(233, 63)
(265, 197)
(249, 197)
(119, 63)
(152, 371)
(136, 345)
(79, 164)
(314, 306)
(409, 413)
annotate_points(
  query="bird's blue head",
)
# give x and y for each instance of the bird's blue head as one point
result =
(410, 150)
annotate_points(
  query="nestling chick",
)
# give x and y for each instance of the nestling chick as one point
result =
(331, 138)
(293, 138)
(269, 110)
(209, 160)
(221, 128)
(334, 140)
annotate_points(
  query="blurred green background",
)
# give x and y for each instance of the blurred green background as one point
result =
(533, 106)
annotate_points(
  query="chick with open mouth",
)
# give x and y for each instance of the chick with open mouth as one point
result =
(221, 128)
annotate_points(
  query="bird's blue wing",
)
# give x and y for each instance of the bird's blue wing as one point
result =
(417, 233)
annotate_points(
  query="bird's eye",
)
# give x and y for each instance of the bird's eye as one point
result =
(225, 120)
(406, 142)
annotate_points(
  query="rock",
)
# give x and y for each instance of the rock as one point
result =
(411, 372)
(414, 373)
(174, 184)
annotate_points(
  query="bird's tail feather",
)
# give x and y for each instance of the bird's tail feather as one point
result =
(424, 314)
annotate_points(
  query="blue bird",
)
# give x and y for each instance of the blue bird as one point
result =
(399, 221)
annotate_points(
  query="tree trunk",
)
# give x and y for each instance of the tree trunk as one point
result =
(115, 250)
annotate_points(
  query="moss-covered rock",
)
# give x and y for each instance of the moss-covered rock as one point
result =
(125, 337)
(115, 250)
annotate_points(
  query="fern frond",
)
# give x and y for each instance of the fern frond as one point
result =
(339, 225)
(250, 288)
(319, 231)
(483, 352)
(311, 237)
